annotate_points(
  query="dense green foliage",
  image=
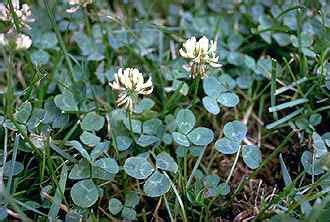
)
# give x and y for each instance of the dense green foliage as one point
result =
(247, 142)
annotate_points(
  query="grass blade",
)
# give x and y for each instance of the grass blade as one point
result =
(59, 193)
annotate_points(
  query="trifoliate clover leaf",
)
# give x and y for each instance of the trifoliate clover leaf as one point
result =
(81, 170)
(211, 105)
(311, 165)
(147, 140)
(84, 193)
(181, 139)
(115, 206)
(92, 122)
(227, 146)
(156, 185)
(66, 102)
(228, 99)
(23, 113)
(252, 156)
(235, 130)
(165, 162)
(123, 142)
(185, 120)
(212, 87)
(89, 139)
(108, 164)
(201, 136)
(138, 167)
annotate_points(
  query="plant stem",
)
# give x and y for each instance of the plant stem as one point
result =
(184, 217)
(234, 165)
(60, 40)
(195, 167)
(130, 124)
(168, 209)
(196, 87)
(264, 163)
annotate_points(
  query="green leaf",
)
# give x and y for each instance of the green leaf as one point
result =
(66, 102)
(282, 39)
(226, 146)
(12, 168)
(165, 162)
(99, 149)
(185, 120)
(100, 173)
(89, 139)
(132, 199)
(244, 81)
(108, 164)
(311, 165)
(315, 119)
(152, 126)
(35, 119)
(201, 136)
(46, 40)
(167, 138)
(92, 122)
(181, 151)
(115, 206)
(23, 113)
(285, 172)
(234, 41)
(144, 105)
(319, 145)
(212, 87)
(3, 213)
(223, 189)
(123, 142)
(181, 139)
(136, 125)
(94, 50)
(235, 130)
(73, 217)
(84, 193)
(228, 99)
(156, 185)
(138, 167)
(128, 213)
(39, 57)
(227, 81)
(75, 144)
(196, 151)
(60, 189)
(211, 180)
(80, 170)
(147, 140)
(211, 105)
(251, 156)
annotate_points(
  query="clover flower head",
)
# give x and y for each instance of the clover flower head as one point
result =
(23, 41)
(130, 84)
(23, 13)
(3, 40)
(14, 40)
(201, 53)
(76, 4)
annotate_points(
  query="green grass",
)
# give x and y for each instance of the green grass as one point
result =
(273, 165)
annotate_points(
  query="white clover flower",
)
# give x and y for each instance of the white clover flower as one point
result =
(3, 40)
(201, 53)
(4, 13)
(16, 41)
(130, 84)
(23, 41)
(76, 4)
(24, 14)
